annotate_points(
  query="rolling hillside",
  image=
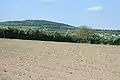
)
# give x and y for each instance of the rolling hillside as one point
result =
(38, 23)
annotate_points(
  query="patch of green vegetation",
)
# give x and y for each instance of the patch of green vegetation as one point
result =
(79, 35)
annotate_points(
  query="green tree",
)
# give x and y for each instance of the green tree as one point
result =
(84, 34)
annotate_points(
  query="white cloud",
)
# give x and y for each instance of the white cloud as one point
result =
(96, 8)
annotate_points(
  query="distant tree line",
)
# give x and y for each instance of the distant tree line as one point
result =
(80, 35)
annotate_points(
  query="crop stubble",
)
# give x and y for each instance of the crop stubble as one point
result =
(39, 60)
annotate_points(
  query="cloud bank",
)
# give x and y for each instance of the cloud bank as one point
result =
(95, 8)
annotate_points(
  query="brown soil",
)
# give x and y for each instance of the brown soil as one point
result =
(39, 60)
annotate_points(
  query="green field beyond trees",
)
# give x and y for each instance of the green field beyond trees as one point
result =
(53, 31)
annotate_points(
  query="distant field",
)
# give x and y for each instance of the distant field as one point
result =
(40, 60)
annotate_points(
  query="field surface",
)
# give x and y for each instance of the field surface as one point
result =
(39, 60)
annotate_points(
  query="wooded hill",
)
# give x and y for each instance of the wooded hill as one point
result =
(38, 23)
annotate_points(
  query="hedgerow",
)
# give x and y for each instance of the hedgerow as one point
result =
(81, 35)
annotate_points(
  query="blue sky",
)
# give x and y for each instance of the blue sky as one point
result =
(103, 14)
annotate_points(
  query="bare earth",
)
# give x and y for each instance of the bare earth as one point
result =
(39, 60)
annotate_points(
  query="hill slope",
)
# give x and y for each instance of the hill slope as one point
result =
(37, 23)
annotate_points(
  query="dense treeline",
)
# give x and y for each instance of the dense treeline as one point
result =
(33, 34)
(81, 35)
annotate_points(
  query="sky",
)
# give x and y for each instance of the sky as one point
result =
(103, 14)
